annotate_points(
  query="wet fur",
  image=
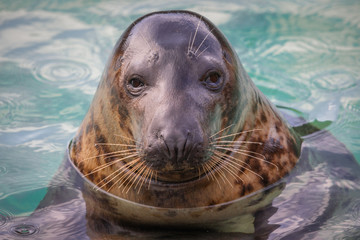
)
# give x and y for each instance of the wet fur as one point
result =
(268, 149)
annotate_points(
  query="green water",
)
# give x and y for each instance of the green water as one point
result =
(303, 55)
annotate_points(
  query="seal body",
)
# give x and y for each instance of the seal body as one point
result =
(177, 123)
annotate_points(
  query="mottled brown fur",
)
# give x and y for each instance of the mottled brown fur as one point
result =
(108, 117)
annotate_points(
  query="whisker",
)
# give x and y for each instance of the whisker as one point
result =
(145, 176)
(208, 171)
(220, 170)
(232, 166)
(133, 140)
(212, 175)
(242, 150)
(136, 177)
(202, 52)
(218, 153)
(260, 143)
(230, 145)
(212, 163)
(121, 154)
(106, 154)
(109, 164)
(197, 28)
(205, 171)
(140, 173)
(152, 171)
(233, 161)
(245, 154)
(128, 175)
(234, 134)
(203, 41)
(129, 165)
(189, 44)
(221, 130)
(119, 171)
(116, 144)
(142, 36)
(231, 171)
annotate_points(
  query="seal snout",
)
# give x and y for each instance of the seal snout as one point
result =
(175, 152)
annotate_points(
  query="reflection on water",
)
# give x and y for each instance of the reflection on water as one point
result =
(303, 55)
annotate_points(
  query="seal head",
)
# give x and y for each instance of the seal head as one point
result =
(176, 121)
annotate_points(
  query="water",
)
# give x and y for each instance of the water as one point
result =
(303, 55)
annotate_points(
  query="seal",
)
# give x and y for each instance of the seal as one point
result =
(176, 122)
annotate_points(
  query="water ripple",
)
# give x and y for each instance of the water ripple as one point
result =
(24, 229)
(335, 80)
(3, 170)
(65, 73)
(5, 217)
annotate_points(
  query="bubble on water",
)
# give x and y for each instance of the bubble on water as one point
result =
(24, 230)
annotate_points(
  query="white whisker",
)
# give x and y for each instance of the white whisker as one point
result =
(239, 142)
(231, 170)
(203, 41)
(197, 28)
(128, 175)
(189, 44)
(133, 140)
(234, 134)
(202, 52)
(245, 154)
(218, 153)
(123, 169)
(119, 171)
(116, 144)
(109, 164)
(221, 130)
(107, 154)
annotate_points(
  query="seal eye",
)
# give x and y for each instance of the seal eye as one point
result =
(213, 81)
(135, 86)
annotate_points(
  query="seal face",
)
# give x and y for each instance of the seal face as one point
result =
(176, 122)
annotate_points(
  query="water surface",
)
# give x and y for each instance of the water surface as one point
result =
(303, 55)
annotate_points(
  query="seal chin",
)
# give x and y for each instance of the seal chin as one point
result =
(179, 176)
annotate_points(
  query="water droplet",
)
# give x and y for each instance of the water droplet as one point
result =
(24, 230)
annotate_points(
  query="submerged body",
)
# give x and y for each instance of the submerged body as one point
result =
(177, 123)
(318, 200)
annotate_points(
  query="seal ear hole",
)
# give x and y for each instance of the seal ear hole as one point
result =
(213, 80)
(135, 85)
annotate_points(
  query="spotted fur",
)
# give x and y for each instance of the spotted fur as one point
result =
(243, 110)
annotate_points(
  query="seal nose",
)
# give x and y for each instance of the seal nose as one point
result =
(175, 147)
(177, 144)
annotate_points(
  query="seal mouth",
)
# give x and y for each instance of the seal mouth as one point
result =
(176, 176)
(186, 175)
(179, 175)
